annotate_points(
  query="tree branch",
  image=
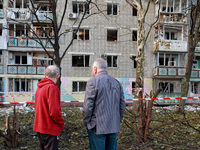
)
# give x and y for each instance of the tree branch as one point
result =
(173, 123)
(147, 8)
(152, 25)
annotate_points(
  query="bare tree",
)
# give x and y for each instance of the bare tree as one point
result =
(145, 109)
(55, 22)
(193, 39)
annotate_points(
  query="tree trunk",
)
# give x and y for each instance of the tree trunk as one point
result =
(186, 79)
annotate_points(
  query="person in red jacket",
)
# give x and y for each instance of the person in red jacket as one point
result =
(48, 118)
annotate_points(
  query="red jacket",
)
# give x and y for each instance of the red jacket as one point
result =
(48, 118)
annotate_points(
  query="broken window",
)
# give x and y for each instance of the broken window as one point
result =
(134, 62)
(80, 7)
(18, 3)
(45, 8)
(195, 64)
(111, 9)
(134, 35)
(42, 60)
(112, 35)
(133, 88)
(1, 4)
(170, 35)
(1, 58)
(168, 60)
(82, 34)
(80, 61)
(112, 61)
(16, 30)
(19, 85)
(20, 59)
(195, 87)
(78, 86)
(134, 11)
(166, 87)
(43, 31)
(20, 30)
(1, 26)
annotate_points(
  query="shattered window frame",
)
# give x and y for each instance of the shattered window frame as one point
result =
(112, 61)
(18, 4)
(134, 62)
(79, 86)
(80, 60)
(21, 59)
(112, 35)
(112, 9)
(19, 85)
(167, 87)
(195, 87)
(78, 7)
(82, 34)
(134, 35)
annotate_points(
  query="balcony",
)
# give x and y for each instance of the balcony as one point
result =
(171, 45)
(26, 42)
(172, 72)
(18, 13)
(43, 16)
(173, 17)
(28, 70)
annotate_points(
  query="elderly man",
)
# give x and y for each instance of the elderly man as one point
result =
(103, 108)
(48, 119)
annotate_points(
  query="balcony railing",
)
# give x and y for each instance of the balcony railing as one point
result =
(175, 72)
(43, 16)
(167, 102)
(25, 42)
(30, 70)
(171, 45)
(166, 17)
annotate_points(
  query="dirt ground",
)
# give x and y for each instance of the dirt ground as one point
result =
(74, 136)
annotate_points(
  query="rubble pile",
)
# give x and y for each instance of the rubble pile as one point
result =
(8, 110)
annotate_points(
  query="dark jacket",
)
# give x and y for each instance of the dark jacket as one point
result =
(104, 104)
(48, 118)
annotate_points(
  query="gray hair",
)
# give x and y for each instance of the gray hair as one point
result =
(52, 71)
(101, 64)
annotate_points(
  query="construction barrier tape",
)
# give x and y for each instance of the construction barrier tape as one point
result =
(127, 100)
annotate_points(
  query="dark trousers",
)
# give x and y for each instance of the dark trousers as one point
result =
(47, 142)
(102, 141)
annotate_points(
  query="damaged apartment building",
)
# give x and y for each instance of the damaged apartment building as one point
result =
(23, 60)
(171, 51)
(112, 34)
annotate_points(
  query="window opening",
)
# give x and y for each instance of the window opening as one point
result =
(112, 61)
(78, 86)
(112, 35)
(133, 88)
(134, 11)
(80, 61)
(134, 36)
(166, 87)
(111, 9)
(19, 85)
(82, 34)
(80, 8)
